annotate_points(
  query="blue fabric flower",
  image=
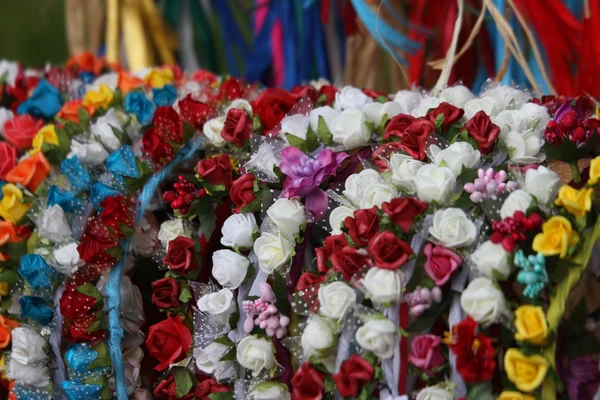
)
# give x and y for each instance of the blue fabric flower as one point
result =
(76, 389)
(137, 103)
(36, 308)
(122, 162)
(87, 77)
(36, 272)
(100, 191)
(66, 200)
(80, 356)
(164, 96)
(76, 173)
(45, 101)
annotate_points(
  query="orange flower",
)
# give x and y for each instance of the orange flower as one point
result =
(87, 62)
(128, 82)
(8, 233)
(70, 110)
(30, 172)
(6, 326)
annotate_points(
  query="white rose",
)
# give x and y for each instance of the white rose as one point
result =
(273, 251)
(452, 228)
(509, 120)
(507, 97)
(238, 231)
(425, 105)
(10, 69)
(31, 374)
(457, 95)
(218, 305)
(296, 125)
(404, 168)
(535, 114)
(240, 104)
(519, 200)
(263, 161)
(326, 112)
(319, 83)
(349, 129)
(336, 300)
(28, 345)
(434, 393)
(337, 218)
(376, 194)
(170, 230)
(229, 268)
(486, 104)
(132, 359)
(434, 183)
(456, 156)
(288, 215)
(255, 354)
(490, 257)
(208, 360)
(145, 239)
(317, 338)
(378, 336)
(382, 286)
(212, 130)
(110, 79)
(54, 225)
(483, 301)
(376, 111)
(408, 99)
(103, 130)
(356, 184)
(270, 391)
(67, 259)
(525, 147)
(351, 97)
(5, 115)
(92, 153)
(542, 183)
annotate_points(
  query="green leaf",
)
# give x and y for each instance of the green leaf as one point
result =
(370, 126)
(256, 125)
(115, 252)
(312, 140)
(280, 290)
(221, 396)
(323, 132)
(229, 356)
(55, 154)
(185, 294)
(234, 318)
(481, 391)
(224, 340)
(439, 121)
(467, 175)
(297, 142)
(84, 118)
(103, 359)
(207, 216)
(122, 136)
(183, 381)
(329, 384)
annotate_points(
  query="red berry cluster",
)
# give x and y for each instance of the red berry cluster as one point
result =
(184, 194)
(510, 231)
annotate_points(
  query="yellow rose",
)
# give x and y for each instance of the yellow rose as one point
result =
(577, 202)
(11, 207)
(556, 237)
(98, 98)
(158, 78)
(510, 395)
(594, 171)
(45, 135)
(531, 325)
(527, 373)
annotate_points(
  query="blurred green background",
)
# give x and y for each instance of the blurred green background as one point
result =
(33, 31)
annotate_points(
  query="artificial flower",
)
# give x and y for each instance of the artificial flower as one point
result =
(21, 130)
(216, 170)
(363, 225)
(8, 157)
(159, 77)
(527, 373)
(30, 172)
(336, 299)
(556, 238)
(181, 256)
(354, 373)
(308, 383)
(382, 286)
(12, 206)
(168, 341)
(388, 251)
(166, 293)
(512, 395)
(256, 354)
(426, 353)
(594, 170)
(46, 134)
(441, 263)
(531, 325)
(100, 98)
(242, 191)
(576, 202)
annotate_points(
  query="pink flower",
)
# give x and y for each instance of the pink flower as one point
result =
(426, 353)
(441, 263)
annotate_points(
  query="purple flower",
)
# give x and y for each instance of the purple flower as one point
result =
(305, 174)
(583, 378)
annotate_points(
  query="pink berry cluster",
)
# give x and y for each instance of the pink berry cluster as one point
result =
(420, 299)
(488, 185)
(263, 313)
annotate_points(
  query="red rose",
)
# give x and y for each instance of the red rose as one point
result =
(208, 386)
(330, 245)
(426, 353)
(168, 341)
(237, 127)
(181, 257)
(388, 251)
(308, 383)
(363, 226)
(327, 94)
(414, 138)
(8, 156)
(158, 149)
(21, 129)
(441, 263)
(87, 328)
(215, 170)
(308, 279)
(116, 212)
(167, 124)
(397, 126)
(74, 304)
(373, 94)
(166, 293)
(474, 353)
(354, 373)
(485, 133)
(451, 115)
(231, 89)
(403, 211)
(167, 390)
(95, 241)
(382, 154)
(242, 192)
(194, 112)
(204, 76)
(304, 91)
(348, 262)
(271, 106)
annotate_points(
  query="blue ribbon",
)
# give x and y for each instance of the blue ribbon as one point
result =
(113, 288)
